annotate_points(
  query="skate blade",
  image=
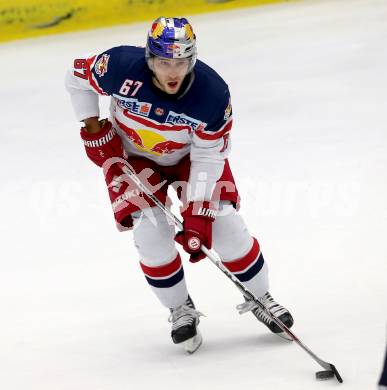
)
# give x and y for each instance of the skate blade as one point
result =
(192, 344)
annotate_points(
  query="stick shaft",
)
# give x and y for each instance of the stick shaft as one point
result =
(218, 263)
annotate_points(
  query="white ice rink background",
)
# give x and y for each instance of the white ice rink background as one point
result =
(309, 88)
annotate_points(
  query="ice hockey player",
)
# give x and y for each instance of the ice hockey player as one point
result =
(170, 118)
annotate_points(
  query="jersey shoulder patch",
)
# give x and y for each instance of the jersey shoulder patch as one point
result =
(111, 65)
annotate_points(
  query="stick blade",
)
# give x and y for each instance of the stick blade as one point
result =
(324, 375)
(337, 375)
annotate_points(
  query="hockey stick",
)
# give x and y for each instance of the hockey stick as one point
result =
(330, 370)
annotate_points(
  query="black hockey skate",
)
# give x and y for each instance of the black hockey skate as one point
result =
(185, 319)
(275, 308)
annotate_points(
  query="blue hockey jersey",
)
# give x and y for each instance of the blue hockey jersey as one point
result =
(151, 123)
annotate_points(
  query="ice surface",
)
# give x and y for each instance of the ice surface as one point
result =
(309, 88)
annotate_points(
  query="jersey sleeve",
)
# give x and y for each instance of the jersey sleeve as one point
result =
(210, 147)
(210, 142)
(89, 77)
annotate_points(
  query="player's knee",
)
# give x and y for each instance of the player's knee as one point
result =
(153, 237)
(231, 238)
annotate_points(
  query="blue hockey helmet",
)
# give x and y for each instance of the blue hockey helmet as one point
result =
(171, 38)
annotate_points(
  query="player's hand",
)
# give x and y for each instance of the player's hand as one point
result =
(198, 218)
(102, 145)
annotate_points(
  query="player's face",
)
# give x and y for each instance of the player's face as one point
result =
(170, 73)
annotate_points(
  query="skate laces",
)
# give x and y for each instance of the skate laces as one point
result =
(270, 304)
(184, 315)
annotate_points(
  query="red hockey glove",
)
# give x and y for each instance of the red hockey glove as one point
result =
(102, 145)
(198, 218)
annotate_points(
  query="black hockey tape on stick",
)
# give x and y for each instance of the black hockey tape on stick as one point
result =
(324, 375)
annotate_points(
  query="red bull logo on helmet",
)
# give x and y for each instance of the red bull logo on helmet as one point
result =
(189, 32)
(173, 49)
(157, 30)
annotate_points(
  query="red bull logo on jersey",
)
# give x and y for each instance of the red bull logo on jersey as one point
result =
(134, 106)
(149, 141)
(183, 119)
(154, 143)
(101, 66)
(228, 111)
(166, 147)
(134, 137)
